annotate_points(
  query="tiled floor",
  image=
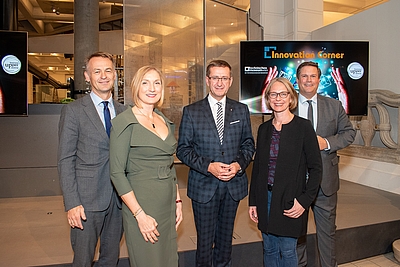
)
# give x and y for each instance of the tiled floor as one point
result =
(34, 231)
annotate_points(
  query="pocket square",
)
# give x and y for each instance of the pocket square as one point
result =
(233, 122)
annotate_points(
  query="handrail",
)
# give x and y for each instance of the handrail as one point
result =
(369, 125)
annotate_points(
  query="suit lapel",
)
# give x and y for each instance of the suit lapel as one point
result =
(321, 110)
(92, 114)
(229, 107)
(118, 107)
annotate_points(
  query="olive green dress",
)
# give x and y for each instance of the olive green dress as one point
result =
(143, 162)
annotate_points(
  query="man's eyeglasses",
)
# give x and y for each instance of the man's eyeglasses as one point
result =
(217, 79)
(281, 94)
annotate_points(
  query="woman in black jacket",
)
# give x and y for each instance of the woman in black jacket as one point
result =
(287, 171)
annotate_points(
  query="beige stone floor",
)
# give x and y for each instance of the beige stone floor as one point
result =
(34, 230)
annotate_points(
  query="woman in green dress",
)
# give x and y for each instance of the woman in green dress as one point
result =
(142, 145)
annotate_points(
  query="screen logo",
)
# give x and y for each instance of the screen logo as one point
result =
(11, 64)
(268, 49)
(355, 70)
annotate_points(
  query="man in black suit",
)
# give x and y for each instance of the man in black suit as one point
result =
(92, 205)
(217, 160)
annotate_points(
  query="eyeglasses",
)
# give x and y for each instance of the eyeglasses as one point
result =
(281, 94)
(217, 79)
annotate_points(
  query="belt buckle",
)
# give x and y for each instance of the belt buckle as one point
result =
(270, 187)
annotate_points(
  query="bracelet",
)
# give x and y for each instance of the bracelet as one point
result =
(178, 201)
(136, 213)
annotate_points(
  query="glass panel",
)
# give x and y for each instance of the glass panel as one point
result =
(256, 31)
(167, 34)
(226, 26)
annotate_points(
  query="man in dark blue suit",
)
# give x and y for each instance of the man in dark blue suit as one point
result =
(217, 160)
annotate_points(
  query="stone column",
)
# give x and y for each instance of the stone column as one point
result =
(288, 19)
(86, 39)
(308, 15)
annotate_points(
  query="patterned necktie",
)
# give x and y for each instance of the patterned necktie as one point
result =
(220, 122)
(310, 115)
(107, 117)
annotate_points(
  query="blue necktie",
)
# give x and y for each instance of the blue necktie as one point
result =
(107, 117)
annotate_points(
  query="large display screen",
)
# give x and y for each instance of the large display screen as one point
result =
(343, 64)
(13, 73)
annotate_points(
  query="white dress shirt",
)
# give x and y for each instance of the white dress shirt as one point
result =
(303, 108)
(214, 106)
(303, 111)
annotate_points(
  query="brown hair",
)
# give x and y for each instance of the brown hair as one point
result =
(99, 54)
(137, 80)
(292, 93)
(308, 63)
(218, 63)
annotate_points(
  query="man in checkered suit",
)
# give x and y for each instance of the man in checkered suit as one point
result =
(217, 179)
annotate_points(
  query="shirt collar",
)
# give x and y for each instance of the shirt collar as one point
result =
(97, 100)
(303, 99)
(213, 101)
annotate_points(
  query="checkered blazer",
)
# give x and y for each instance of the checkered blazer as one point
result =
(199, 145)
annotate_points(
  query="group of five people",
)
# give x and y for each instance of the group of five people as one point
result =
(216, 142)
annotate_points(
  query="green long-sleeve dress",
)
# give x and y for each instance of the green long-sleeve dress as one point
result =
(141, 161)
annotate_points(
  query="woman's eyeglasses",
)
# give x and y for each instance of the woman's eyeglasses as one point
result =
(280, 94)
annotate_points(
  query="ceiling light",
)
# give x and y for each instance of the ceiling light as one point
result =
(55, 10)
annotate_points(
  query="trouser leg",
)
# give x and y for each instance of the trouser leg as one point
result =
(325, 220)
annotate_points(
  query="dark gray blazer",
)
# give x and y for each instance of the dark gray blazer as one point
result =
(83, 156)
(199, 145)
(334, 125)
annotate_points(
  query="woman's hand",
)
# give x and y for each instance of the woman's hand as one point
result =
(179, 215)
(296, 211)
(253, 214)
(148, 227)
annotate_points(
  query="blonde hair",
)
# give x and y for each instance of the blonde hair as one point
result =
(292, 93)
(137, 81)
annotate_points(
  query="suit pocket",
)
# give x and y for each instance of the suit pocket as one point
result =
(85, 174)
(335, 161)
